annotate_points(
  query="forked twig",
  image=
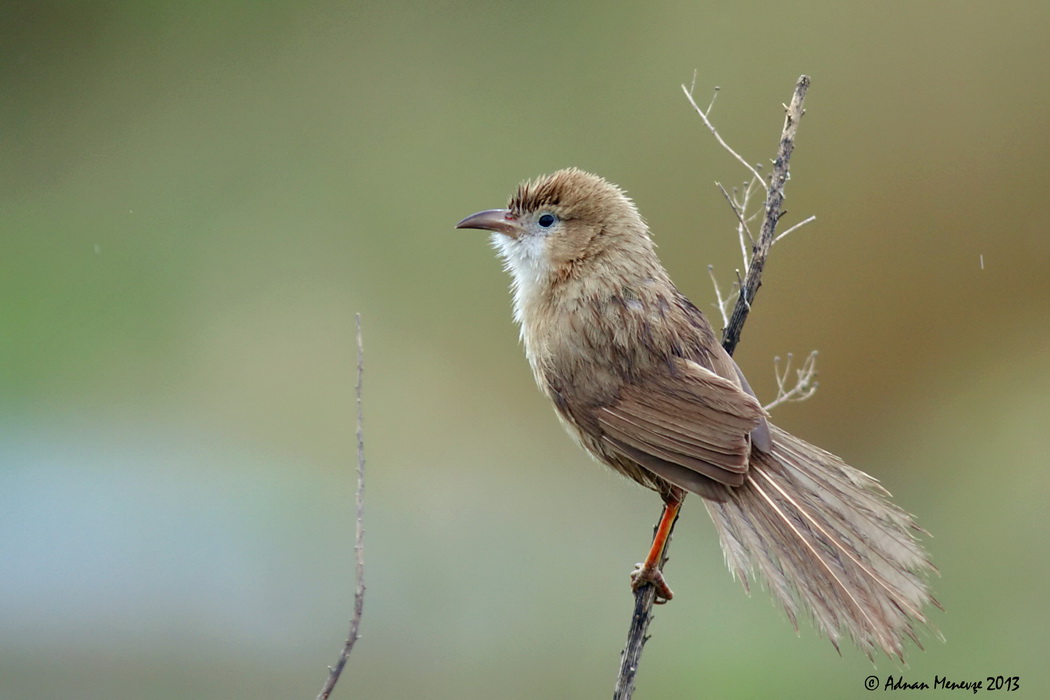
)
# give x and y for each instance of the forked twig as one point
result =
(805, 380)
(718, 136)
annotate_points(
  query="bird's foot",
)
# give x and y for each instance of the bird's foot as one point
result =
(644, 574)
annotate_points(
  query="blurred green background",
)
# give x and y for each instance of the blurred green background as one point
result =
(197, 197)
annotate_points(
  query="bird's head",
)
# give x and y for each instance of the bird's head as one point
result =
(564, 224)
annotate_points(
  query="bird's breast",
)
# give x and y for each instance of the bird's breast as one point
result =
(589, 345)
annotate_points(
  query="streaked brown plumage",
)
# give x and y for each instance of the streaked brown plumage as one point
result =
(639, 379)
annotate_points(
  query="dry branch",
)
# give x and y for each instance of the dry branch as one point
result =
(645, 596)
(774, 210)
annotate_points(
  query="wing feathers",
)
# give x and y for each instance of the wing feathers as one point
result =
(680, 476)
(674, 437)
(624, 433)
(692, 418)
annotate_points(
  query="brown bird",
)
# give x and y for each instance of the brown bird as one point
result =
(638, 377)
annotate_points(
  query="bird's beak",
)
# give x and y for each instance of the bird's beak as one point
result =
(498, 220)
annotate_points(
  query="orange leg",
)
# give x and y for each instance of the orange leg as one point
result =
(649, 570)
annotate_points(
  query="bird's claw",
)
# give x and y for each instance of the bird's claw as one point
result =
(643, 575)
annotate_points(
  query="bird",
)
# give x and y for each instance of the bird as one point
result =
(638, 378)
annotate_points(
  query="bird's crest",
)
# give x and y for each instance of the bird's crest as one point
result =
(574, 193)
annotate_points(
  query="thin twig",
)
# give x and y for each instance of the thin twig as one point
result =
(359, 540)
(794, 228)
(718, 137)
(718, 296)
(739, 217)
(645, 596)
(745, 202)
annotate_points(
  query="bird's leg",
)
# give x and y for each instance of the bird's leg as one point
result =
(649, 570)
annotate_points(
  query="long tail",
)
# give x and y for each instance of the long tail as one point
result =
(826, 537)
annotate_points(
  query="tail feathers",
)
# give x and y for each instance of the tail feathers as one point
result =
(827, 539)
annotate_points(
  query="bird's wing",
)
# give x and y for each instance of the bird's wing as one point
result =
(689, 426)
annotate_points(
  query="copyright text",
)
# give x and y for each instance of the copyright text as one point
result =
(1004, 683)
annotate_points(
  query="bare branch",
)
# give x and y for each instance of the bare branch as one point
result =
(359, 540)
(645, 596)
(774, 210)
(637, 635)
(805, 381)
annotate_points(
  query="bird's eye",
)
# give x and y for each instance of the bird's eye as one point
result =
(546, 221)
